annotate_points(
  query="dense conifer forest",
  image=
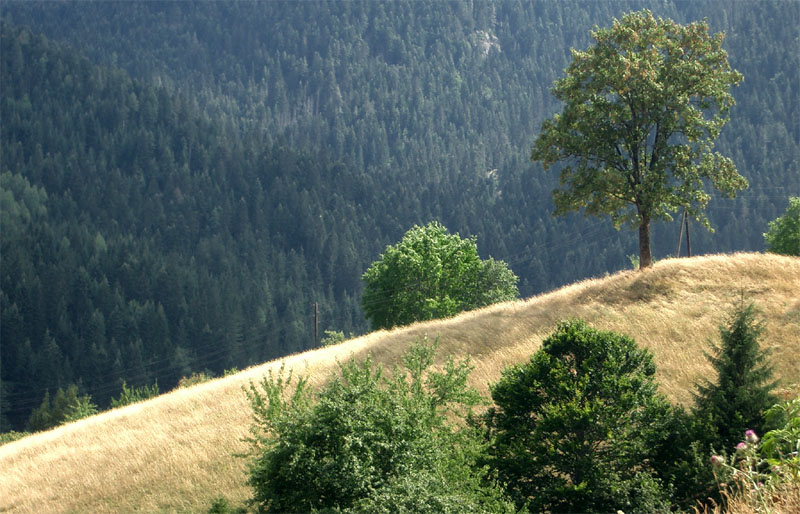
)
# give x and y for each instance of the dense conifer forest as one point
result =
(182, 181)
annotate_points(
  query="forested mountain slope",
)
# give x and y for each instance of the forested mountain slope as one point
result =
(182, 181)
(142, 242)
(176, 452)
(433, 96)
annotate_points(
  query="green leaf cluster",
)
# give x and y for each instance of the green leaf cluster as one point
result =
(370, 441)
(575, 428)
(432, 274)
(333, 337)
(783, 236)
(11, 436)
(134, 394)
(781, 445)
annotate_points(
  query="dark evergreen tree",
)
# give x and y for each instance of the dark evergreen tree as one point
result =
(742, 391)
(67, 405)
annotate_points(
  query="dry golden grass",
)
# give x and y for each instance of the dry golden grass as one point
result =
(783, 499)
(175, 453)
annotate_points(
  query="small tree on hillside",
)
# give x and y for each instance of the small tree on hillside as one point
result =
(642, 108)
(67, 405)
(573, 429)
(431, 274)
(783, 236)
(742, 393)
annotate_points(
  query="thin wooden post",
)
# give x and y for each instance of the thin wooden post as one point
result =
(688, 242)
(316, 324)
(680, 235)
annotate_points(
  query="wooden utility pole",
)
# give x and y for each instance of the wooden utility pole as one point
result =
(688, 243)
(316, 324)
(680, 235)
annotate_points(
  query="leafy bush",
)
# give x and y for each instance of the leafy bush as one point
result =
(11, 435)
(194, 379)
(332, 337)
(783, 235)
(574, 429)
(370, 442)
(781, 446)
(134, 394)
(82, 408)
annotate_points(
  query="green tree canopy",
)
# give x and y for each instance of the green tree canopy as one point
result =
(642, 109)
(783, 235)
(573, 428)
(371, 442)
(432, 274)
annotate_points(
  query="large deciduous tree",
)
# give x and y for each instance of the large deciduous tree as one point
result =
(431, 274)
(642, 108)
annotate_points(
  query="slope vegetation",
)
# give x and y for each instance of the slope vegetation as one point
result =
(177, 452)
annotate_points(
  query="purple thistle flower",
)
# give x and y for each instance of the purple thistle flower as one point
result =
(717, 460)
(741, 446)
(751, 437)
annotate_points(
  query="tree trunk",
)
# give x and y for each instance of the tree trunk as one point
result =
(645, 259)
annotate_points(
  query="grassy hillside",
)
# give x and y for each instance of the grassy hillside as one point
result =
(176, 452)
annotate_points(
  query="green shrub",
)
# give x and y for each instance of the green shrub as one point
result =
(370, 441)
(134, 394)
(781, 445)
(194, 379)
(574, 429)
(82, 408)
(431, 274)
(11, 435)
(332, 337)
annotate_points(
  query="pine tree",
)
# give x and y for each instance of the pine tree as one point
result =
(42, 417)
(736, 402)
